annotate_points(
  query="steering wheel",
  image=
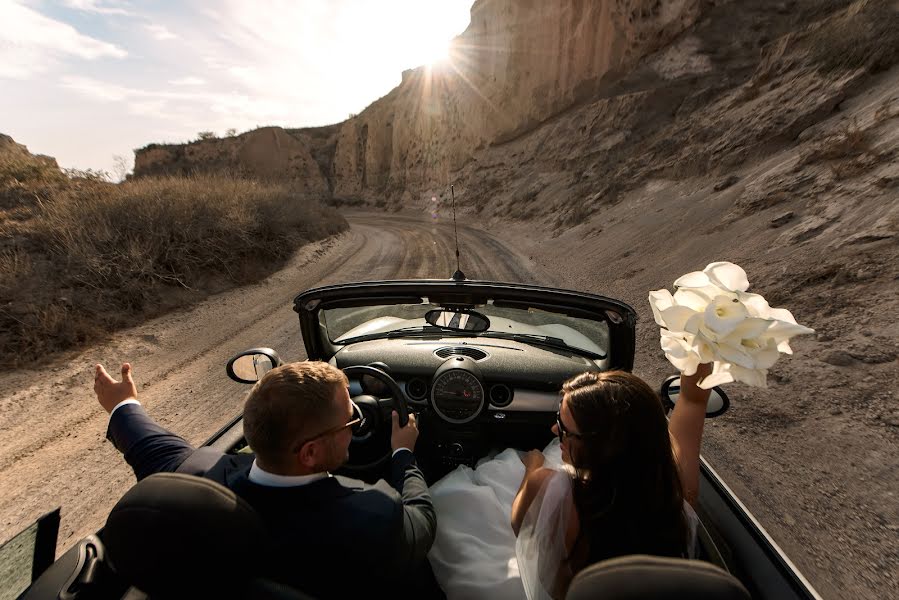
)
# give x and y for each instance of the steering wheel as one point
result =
(367, 450)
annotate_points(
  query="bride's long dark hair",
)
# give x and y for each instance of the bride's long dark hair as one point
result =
(626, 491)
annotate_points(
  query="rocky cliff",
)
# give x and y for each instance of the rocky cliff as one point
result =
(300, 155)
(11, 150)
(517, 64)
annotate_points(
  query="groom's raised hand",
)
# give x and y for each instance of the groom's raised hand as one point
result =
(111, 392)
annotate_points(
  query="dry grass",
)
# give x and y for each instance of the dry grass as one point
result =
(851, 150)
(888, 109)
(866, 36)
(80, 257)
(850, 141)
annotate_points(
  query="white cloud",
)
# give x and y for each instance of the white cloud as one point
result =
(235, 64)
(160, 32)
(31, 43)
(193, 107)
(100, 6)
(187, 81)
(98, 90)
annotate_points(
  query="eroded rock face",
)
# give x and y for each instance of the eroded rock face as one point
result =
(270, 153)
(10, 148)
(519, 63)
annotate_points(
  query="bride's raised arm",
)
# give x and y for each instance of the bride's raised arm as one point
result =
(685, 427)
(711, 318)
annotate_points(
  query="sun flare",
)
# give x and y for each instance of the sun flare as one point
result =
(433, 52)
(428, 29)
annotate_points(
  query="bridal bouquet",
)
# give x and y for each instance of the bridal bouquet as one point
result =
(712, 319)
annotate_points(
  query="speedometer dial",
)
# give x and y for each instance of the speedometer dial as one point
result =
(457, 396)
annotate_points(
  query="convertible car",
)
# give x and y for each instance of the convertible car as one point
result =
(481, 365)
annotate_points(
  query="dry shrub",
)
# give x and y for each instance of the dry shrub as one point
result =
(865, 36)
(854, 167)
(851, 150)
(23, 178)
(849, 142)
(888, 109)
(21, 170)
(97, 256)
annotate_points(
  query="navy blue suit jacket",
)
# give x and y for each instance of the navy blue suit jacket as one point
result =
(334, 537)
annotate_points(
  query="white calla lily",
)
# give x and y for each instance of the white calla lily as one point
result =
(659, 300)
(749, 328)
(704, 349)
(723, 315)
(678, 350)
(783, 330)
(764, 352)
(711, 318)
(728, 276)
(755, 304)
(696, 298)
(696, 279)
(694, 323)
(719, 376)
(753, 377)
(736, 354)
(677, 317)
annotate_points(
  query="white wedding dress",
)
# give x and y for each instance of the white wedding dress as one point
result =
(476, 554)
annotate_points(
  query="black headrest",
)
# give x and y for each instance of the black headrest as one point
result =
(173, 533)
(639, 577)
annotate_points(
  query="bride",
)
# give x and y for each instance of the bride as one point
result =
(617, 480)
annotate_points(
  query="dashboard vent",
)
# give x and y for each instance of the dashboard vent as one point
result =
(416, 389)
(500, 395)
(475, 353)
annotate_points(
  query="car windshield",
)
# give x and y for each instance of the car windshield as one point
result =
(525, 324)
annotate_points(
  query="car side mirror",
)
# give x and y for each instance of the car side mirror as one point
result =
(250, 365)
(718, 400)
(458, 320)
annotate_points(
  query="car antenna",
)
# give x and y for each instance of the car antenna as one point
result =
(458, 275)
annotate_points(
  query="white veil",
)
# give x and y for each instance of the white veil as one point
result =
(540, 547)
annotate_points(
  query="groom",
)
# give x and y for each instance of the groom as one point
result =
(333, 536)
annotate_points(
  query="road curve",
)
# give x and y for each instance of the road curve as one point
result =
(52, 432)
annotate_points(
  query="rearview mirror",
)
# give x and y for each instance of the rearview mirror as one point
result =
(249, 366)
(718, 400)
(462, 320)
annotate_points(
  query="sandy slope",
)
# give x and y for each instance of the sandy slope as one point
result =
(813, 456)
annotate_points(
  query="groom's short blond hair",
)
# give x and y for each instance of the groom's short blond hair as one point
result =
(289, 403)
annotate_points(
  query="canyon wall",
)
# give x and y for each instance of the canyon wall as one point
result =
(518, 63)
(267, 153)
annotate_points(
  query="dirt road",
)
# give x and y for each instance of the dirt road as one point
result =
(52, 432)
(818, 477)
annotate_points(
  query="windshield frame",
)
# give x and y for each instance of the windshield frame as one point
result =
(544, 325)
(620, 317)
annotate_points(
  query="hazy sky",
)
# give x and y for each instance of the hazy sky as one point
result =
(83, 80)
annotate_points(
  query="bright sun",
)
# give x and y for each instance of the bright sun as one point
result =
(427, 30)
(434, 51)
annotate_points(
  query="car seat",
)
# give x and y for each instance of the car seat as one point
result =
(180, 536)
(640, 576)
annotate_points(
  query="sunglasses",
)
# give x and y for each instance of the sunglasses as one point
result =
(356, 422)
(563, 431)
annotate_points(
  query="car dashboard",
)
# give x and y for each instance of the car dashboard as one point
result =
(469, 396)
